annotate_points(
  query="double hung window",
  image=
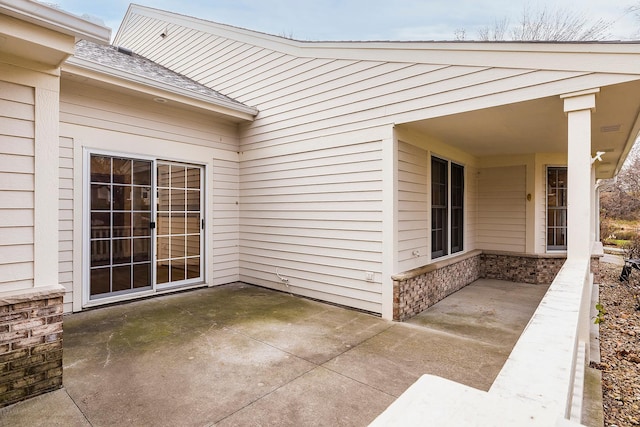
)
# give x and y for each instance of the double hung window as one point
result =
(447, 207)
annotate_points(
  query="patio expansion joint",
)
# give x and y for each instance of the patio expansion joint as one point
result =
(324, 364)
(78, 407)
(302, 374)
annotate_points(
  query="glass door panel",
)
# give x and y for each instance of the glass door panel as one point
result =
(179, 216)
(120, 215)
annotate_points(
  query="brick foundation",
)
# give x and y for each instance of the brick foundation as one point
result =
(30, 343)
(420, 288)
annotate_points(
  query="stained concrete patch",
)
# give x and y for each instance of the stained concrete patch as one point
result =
(152, 380)
(319, 397)
(319, 334)
(491, 311)
(396, 358)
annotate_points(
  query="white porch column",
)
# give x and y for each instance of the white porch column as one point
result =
(46, 187)
(578, 107)
(390, 220)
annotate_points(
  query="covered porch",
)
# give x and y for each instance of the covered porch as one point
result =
(245, 355)
(507, 151)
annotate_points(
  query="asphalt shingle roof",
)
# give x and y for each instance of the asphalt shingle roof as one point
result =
(120, 59)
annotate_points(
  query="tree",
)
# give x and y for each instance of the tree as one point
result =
(620, 196)
(545, 25)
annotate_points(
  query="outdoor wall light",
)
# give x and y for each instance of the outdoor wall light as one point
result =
(598, 157)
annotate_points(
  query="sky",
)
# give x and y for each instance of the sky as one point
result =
(363, 20)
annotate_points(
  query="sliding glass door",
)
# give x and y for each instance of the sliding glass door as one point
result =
(145, 225)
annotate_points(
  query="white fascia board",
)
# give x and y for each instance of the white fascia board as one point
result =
(159, 89)
(56, 20)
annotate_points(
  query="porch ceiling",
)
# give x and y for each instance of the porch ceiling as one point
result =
(540, 126)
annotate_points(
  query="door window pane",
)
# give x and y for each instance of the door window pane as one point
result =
(141, 173)
(141, 198)
(121, 278)
(193, 178)
(122, 171)
(100, 169)
(141, 224)
(120, 207)
(141, 249)
(179, 220)
(141, 275)
(100, 197)
(100, 280)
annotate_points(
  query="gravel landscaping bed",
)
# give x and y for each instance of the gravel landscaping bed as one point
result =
(620, 348)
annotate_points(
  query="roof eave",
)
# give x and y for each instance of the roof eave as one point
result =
(154, 88)
(56, 20)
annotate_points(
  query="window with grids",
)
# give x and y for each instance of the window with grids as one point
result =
(556, 208)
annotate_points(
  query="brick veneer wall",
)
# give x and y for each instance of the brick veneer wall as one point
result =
(521, 268)
(420, 288)
(30, 344)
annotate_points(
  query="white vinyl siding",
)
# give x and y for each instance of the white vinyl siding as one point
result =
(65, 220)
(16, 186)
(314, 216)
(413, 206)
(301, 97)
(118, 123)
(321, 225)
(502, 209)
(471, 207)
(225, 232)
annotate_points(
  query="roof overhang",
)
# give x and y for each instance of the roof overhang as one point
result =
(540, 126)
(123, 81)
(32, 31)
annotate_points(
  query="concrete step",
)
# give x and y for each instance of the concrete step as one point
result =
(592, 408)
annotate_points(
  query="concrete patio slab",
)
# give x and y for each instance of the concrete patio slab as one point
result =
(55, 409)
(244, 355)
(394, 359)
(319, 397)
(491, 311)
